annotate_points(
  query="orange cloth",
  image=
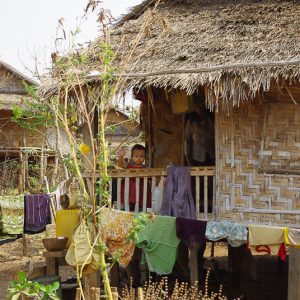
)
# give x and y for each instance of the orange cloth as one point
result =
(114, 228)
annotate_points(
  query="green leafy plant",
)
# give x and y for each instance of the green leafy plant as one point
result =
(33, 290)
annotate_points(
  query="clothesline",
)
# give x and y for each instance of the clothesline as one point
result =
(160, 237)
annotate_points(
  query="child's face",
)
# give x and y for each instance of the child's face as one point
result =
(138, 157)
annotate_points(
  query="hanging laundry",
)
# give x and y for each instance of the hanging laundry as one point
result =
(114, 227)
(234, 233)
(12, 214)
(191, 231)
(82, 252)
(66, 222)
(37, 212)
(178, 199)
(267, 239)
(159, 243)
(292, 237)
(61, 190)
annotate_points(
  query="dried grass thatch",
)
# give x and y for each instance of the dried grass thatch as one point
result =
(233, 48)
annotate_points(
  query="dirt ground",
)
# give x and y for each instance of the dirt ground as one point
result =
(271, 282)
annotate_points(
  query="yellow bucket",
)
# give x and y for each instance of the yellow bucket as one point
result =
(66, 222)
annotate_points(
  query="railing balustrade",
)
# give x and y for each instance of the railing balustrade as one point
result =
(150, 181)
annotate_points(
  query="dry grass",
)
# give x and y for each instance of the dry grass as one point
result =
(180, 291)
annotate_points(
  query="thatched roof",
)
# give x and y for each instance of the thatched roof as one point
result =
(231, 47)
(17, 73)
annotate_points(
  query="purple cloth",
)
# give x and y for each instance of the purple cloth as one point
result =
(178, 199)
(37, 212)
(191, 231)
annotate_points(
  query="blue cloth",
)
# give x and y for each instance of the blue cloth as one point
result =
(37, 212)
(234, 233)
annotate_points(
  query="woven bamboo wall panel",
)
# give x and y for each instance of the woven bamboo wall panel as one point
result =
(281, 139)
(246, 193)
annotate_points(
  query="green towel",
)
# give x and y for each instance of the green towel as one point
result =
(159, 243)
(12, 214)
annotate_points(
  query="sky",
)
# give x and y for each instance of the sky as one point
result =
(28, 28)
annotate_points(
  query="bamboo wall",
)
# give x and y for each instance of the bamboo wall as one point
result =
(259, 159)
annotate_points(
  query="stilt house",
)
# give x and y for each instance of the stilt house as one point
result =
(241, 58)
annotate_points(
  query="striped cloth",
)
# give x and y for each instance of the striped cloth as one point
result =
(36, 212)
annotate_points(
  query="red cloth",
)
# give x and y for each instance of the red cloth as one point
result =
(132, 191)
(266, 249)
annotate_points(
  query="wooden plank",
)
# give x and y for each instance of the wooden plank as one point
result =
(140, 294)
(42, 167)
(52, 266)
(194, 263)
(162, 188)
(205, 197)
(153, 185)
(97, 293)
(92, 293)
(55, 253)
(145, 190)
(197, 178)
(119, 182)
(110, 191)
(294, 274)
(137, 194)
(126, 195)
(114, 292)
(214, 195)
(114, 274)
(78, 294)
(149, 172)
(25, 245)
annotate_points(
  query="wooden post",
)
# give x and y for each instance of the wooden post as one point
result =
(20, 171)
(90, 280)
(114, 292)
(25, 160)
(78, 294)
(114, 274)
(140, 294)
(55, 170)
(194, 262)
(42, 169)
(294, 274)
(25, 247)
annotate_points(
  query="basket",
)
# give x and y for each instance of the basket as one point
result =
(55, 244)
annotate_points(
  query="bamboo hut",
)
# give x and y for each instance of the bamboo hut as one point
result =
(18, 144)
(241, 59)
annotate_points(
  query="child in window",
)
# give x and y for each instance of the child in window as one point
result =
(138, 153)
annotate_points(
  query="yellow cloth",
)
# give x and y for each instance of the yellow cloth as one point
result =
(114, 228)
(66, 222)
(292, 237)
(271, 236)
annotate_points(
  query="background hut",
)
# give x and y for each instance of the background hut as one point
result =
(122, 130)
(242, 58)
(18, 146)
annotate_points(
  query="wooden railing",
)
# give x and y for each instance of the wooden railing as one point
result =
(202, 180)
